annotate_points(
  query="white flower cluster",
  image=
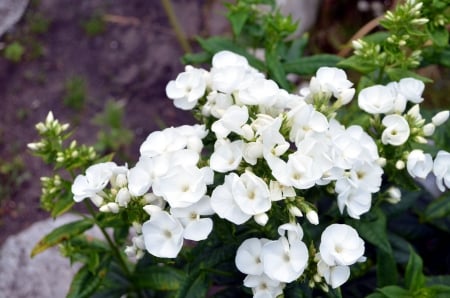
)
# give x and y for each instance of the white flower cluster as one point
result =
(269, 147)
(399, 125)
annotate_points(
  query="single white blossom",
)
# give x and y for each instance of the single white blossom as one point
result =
(376, 99)
(163, 235)
(419, 164)
(441, 169)
(397, 130)
(188, 88)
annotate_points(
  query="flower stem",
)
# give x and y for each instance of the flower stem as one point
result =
(181, 37)
(114, 248)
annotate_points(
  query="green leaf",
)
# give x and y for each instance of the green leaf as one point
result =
(439, 208)
(386, 269)
(160, 278)
(357, 63)
(196, 58)
(439, 36)
(237, 19)
(414, 277)
(85, 282)
(375, 295)
(309, 65)
(62, 233)
(394, 292)
(276, 70)
(62, 205)
(196, 285)
(217, 44)
(372, 227)
(396, 74)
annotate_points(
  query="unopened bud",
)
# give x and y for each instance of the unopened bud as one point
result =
(428, 129)
(394, 195)
(110, 207)
(440, 118)
(295, 211)
(312, 217)
(261, 219)
(400, 165)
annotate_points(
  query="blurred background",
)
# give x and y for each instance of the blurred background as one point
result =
(102, 66)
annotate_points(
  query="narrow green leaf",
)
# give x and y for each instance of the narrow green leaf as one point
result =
(196, 285)
(375, 295)
(386, 269)
(196, 58)
(309, 65)
(394, 292)
(396, 74)
(358, 64)
(160, 278)
(84, 283)
(62, 233)
(439, 36)
(62, 205)
(276, 70)
(414, 277)
(237, 19)
(439, 208)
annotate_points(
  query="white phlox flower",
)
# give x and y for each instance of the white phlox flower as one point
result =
(411, 89)
(304, 120)
(230, 72)
(226, 156)
(163, 235)
(182, 186)
(224, 204)
(232, 120)
(95, 180)
(140, 177)
(356, 201)
(377, 99)
(441, 169)
(248, 256)
(301, 172)
(251, 194)
(217, 103)
(340, 245)
(400, 100)
(263, 287)
(335, 275)
(195, 227)
(285, 260)
(330, 80)
(397, 130)
(419, 164)
(187, 88)
(259, 92)
(164, 141)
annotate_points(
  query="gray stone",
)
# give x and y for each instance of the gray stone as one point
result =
(10, 12)
(46, 275)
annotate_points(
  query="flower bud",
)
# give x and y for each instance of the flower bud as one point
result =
(110, 207)
(312, 217)
(151, 209)
(400, 165)
(295, 211)
(261, 219)
(123, 197)
(428, 129)
(394, 195)
(440, 118)
(97, 200)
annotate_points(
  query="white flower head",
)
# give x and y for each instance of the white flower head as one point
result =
(195, 227)
(188, 88)
(232, 120)
(226, 156)
(376, 99)
(263, 286)
(397, 130)
(411, 89)
(248, 256)
(334, 81)
(163, 235)
(96, 178)
(335, 276)
(341, 245)
(419, 164)
(251, 194)
(284, 261)
(441, 169)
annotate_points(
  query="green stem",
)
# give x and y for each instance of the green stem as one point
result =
(114, 248)
(168, 8)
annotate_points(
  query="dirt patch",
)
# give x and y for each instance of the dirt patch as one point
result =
(131, 59)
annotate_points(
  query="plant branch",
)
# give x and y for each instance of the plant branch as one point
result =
(181, 37)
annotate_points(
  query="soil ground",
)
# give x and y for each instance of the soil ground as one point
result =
(130, 61)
